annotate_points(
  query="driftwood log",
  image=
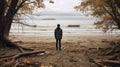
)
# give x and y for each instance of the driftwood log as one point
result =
(106, 62)
(111, 54)
(114, 49)
(21, 55)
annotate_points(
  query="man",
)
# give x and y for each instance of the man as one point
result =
(58, 36)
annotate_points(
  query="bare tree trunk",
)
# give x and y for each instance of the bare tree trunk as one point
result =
(6, 21)
(6, 18)
(1, 36)
(8, 24)
(2, 10)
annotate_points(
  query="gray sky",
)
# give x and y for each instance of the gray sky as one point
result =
(61, 10)
(60, 7)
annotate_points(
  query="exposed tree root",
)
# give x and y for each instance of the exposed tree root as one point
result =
(21, 55)
(11, 61)
(9, 43)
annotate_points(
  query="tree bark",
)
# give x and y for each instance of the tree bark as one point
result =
(8, 24)
(6, 18)
(1, 36)
(2, 10)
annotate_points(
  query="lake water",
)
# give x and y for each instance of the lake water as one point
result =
(46, 28)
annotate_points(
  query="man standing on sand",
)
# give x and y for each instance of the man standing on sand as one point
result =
(58, 36)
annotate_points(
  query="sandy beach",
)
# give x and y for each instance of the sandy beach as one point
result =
(74, 49)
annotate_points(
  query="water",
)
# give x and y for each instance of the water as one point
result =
(46, 28)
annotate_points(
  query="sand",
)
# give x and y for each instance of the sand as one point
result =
(73, 53)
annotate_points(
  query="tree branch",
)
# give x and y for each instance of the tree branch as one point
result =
(25, 24)
(11, 11)
(108, 12)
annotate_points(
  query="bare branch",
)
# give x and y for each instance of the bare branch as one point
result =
(25, 24)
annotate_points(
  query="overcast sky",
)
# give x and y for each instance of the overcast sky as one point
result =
(59, 7)
(62, 6)
(61, 10)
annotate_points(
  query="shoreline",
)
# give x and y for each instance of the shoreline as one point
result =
(51, 38)
(88, 41)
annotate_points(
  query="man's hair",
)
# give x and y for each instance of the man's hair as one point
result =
(58, 25)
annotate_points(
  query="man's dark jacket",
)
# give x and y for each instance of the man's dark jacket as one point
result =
(58, 33)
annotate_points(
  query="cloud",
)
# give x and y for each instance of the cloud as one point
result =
(62, 5)
(59, 6)
(61, 10)
(54, 13)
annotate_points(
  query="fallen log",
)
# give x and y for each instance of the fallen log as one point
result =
(30, 49)
(21, 55)
(2, 53)
(107, 62)
(27, 53)
(114, 49)
(6, 56)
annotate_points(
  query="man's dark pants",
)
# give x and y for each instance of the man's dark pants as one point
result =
(58, 44)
